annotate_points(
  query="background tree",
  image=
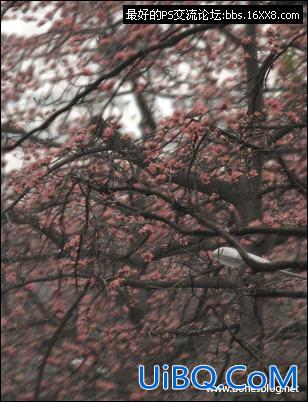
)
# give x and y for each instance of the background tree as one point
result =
(108, 233)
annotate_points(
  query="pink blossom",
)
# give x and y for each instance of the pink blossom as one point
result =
(253, 173)
(116, 283)
(108, 133)
(146, 229)
(30, 286)
(147, 256)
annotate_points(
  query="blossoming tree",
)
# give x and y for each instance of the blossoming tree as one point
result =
(108, 232)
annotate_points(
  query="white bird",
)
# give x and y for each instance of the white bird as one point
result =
(230, 257)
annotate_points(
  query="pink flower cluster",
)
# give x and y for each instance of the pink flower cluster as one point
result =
(146, 229)
(147, 256)
(116, 283)
(108, 133)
